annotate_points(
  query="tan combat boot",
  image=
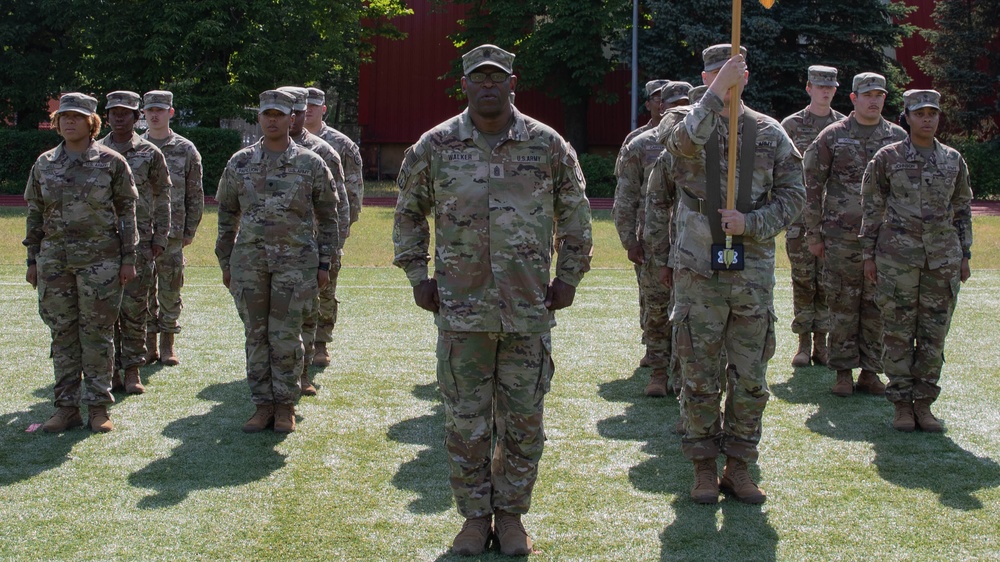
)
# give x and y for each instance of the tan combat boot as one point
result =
(736, 481)
(902, 419)
(925, 419)
(132, 383)
(167, 355)
(100, 419)
(260, 419)
(474, 537)
(66, 417)
(821, 352)
(307, 386)
(801, 358)
(514, 540)
(117, 385)
(646, 360)
(151, 354)
(706, 482)
(284, 418)
(869, 382)
(321, 358)
(657, 386)
(845, 383)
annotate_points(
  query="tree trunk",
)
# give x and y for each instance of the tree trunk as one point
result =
(575, 117)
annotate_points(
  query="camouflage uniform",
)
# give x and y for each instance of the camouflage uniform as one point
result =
(917, 226)
(724, 311)
(652, 87)
(498, 216)
(81, 230)
(277, 225)
(834, 165)
(152, 216)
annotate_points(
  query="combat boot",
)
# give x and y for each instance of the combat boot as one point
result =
(646, 360)
(167, 355)
(307, 386)
(100, 419)
(821, 352)
(151, 354)
(925, 419)
(845, 383)
(66, 417)
(657, 386)
(801, 358)
(117, 385)
(132, 383)
(284, 418)
(736, 481)
(514, 540)
(321, 358)
(706, 482)
(474, 537)
(869, 382)
(260, 419)
(902, 419)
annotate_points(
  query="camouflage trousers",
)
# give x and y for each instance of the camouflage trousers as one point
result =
(808, 293)
(327, 307)
(272, 307)
(732, 314)
(855, 321)
(493, 386)
(80, 305)
(917, 304)
(130, 328)
(642, 301)
(165, 301)
(656, 321)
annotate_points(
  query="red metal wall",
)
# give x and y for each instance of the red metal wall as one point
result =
(916, 45)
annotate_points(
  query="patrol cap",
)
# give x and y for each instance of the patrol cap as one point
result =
(868, 81)
(488, 54)
(916, 99)
(675, 91)
(80, 103)
(654, 86)
(717, 55)
(298, 94)
(123, 98)
(158, 98)
(696, 93)
(275, 99)
(316, 96)
(820, 75)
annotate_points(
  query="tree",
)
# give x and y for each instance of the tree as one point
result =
(964, 62)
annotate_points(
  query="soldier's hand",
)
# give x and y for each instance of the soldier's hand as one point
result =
(226, 277)
(636, 255)
(322, 278)
(126, 273)
(818, 249)
(559, 294)
(734, 223)
(187, 241)
(966, 270)
(425, 294)
(666, 276)
(32, 276)
(157, 251)
(871, 271)
(731, 74)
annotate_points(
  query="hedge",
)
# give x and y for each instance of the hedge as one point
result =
(599, 172)
(983, 159)
(20, 149)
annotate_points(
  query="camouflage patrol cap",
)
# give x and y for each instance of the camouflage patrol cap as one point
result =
(316, 96)
(123, 98)
(487, 54)
(274, 99)
(158, 98)
(868, 81)
(655, 86)
(299, 94)
(675, 91)
(696, 93)
(80, 103)
(717, 55)
(916, 99)
(820, 75)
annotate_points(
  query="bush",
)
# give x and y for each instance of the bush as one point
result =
(600, 174)
(216, 147)
(982, 158)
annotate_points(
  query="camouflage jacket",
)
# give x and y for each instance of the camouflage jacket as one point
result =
(332, 160)
(187, 195)
(803, 127)
(276, 216)
(834, 165)
(917, 209)
(777, 192)
(152, 182)
(81, 211)
(632, 168)
(499, 216)
(637, 131)
(661, 193)
(350, 159)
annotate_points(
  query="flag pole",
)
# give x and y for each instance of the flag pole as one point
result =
(734, 114)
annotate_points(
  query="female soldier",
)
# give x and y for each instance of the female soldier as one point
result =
(917, 235)
(81, 250)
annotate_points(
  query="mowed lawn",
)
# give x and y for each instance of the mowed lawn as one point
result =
(364, 477)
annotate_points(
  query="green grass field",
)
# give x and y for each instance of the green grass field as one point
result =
(364, 476)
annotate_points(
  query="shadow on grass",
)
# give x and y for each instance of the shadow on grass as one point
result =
(918, 460)
(213, 452)
(25, 455)
(427, 474)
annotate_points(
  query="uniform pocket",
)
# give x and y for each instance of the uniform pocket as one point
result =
(445, 374)
(679, 319)
(885, 292)
(547, 365)
(770, 340)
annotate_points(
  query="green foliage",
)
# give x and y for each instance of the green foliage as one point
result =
(18, 151)
(982, 158)
(599, 172)
(216, 146)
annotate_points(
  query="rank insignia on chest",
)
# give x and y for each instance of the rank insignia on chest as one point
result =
(727, 259)
(496, 170)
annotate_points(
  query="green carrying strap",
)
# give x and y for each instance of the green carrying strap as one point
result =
(713, 176)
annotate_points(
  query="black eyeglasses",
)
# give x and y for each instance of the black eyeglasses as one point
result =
(495, 77)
